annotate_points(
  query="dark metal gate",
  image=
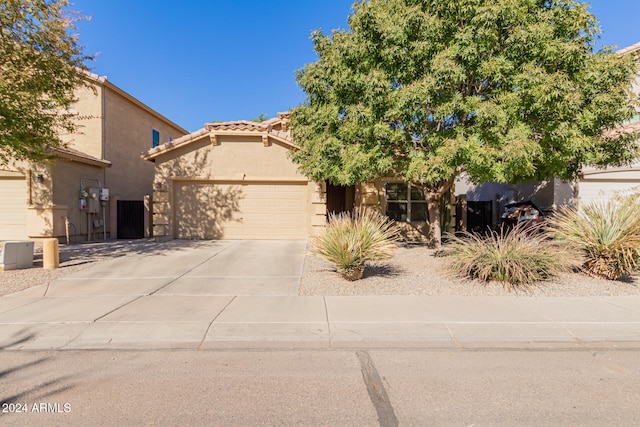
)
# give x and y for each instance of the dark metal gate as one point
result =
(479, 217)
(130, 219)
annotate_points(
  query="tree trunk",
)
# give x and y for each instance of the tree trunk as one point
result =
(435, 231)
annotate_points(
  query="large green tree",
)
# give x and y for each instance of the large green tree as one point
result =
(41, 63)
(426, 90)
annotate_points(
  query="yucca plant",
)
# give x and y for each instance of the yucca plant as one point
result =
(606, 234)
(351, 240)
(516, 257)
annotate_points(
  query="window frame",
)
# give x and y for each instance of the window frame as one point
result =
(154, 142)
(408, 200)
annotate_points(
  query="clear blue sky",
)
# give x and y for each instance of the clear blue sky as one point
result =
(198, 61)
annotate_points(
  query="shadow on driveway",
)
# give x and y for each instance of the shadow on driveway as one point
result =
(86, 253)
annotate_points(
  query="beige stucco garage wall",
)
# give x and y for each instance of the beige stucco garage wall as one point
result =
(234, 159)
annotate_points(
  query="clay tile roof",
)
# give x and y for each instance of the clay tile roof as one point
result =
(236, 126)
(626, 128)
(178, 142)
(629, 49)
(281, 134)
(244, 125)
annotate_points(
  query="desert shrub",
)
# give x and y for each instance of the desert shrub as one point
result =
(351, 240)
(606, 234)
(516, 256)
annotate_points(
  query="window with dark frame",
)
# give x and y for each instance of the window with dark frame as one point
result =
(155, 138)
(405, 202)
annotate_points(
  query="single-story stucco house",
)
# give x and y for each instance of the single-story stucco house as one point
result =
(235, 180)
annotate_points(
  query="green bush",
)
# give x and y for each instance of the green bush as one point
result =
(350, 241)
(606, 234)
(516, 257)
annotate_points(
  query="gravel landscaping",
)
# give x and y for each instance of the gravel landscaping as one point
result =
(414, 270)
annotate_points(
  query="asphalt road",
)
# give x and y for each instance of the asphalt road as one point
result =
(555, 387)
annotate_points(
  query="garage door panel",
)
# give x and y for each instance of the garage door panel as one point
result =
(287, 233)
(259, 233)
(595, 191)
(252, 195)
(298, 189)
(258, 219)
(201, 210)
(232, 233)
(257, 204)
(262, 211)
(13, 209)
(10, 217)
(289, 219)
(296, 204)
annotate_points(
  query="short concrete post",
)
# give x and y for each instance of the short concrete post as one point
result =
(50, 254)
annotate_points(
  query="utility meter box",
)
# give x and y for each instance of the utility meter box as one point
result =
(93, 204)
(15, 255)
(104, 194)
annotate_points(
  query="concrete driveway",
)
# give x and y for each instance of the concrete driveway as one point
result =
(172, 294)
(194, 269)
(244, 294)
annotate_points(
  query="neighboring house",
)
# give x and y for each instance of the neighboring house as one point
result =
(602, 184)
(97, 183)
(235, 180)
(480, 206)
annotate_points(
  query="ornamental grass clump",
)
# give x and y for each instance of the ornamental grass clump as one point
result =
(516, 257)
(606, 234)
(351, 241)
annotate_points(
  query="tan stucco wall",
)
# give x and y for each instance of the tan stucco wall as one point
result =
(128, 134)
(88, 107)
(55, 197)
(67, 176)
(372, 196)
(234, 158)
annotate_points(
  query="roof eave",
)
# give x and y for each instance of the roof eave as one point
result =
(61, 153)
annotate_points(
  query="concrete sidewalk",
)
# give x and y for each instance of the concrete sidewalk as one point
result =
(244, 295)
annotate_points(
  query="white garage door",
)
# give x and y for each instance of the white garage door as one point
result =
(597, 191)
(240, 210)
(13, 209)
